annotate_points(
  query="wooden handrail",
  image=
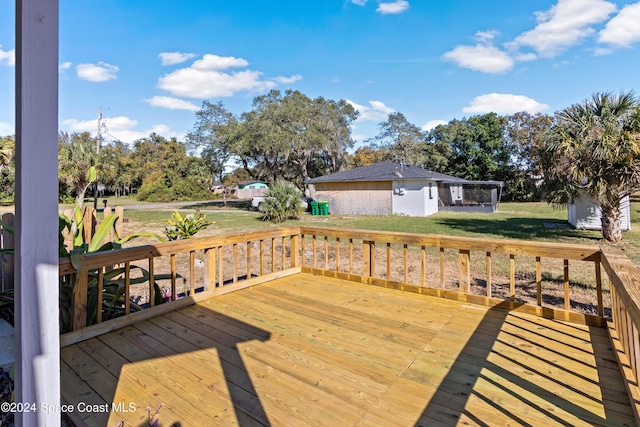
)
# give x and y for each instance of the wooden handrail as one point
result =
(100, 259)
(517, 247)
(624, 280)
(374, 244)
(213, 276)
(377, 244)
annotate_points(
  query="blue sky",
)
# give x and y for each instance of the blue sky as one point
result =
(150, 64)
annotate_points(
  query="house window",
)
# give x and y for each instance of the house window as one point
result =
(430, 195)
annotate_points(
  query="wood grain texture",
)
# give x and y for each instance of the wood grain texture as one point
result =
(319, 351)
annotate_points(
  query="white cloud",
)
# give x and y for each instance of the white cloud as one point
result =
(100, 72)
(172, 58)
(287, 80)
(566, 24)
(215, 62)
(6, 129)
(431, 124)
(359, 2)
(7, 57)
(171, 103)
(624, 29)
(481, 57)
(64, 67)
(486, 37)
(393, 8)
(377, 111)
(206, 78)
(503, 103)
(120, 128)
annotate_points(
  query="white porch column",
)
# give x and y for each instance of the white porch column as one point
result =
(36, 259)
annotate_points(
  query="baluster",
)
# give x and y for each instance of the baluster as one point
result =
(512, 277)
(488, 280)
(235, 262)
(599, 289)
(567, 300)
(261, 257)
(127, 287)
(388, 260)
(337, 254)
(248, 260)
(406, 264)
(539, 281)
(442, 268)
(423, 266)
(100, 287)
(174, 276)
(192, 272)
(326, 252)
(465, 270)
(152, 289)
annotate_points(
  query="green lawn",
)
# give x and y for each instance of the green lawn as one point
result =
(524, 221)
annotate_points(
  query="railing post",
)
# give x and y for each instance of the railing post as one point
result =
(210, 268)
(80, 290)
(465, 271)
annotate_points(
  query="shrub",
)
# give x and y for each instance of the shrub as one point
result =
(161, 187)
(186, 226)
(282, 202)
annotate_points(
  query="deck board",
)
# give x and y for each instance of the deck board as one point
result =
(310, 350)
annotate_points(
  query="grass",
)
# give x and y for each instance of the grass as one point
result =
(523, 221)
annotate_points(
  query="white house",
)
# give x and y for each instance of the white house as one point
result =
(392, 188)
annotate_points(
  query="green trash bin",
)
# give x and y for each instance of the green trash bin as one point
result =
(314, 209)
(323, 208)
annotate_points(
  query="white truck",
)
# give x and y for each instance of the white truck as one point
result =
(256, 202)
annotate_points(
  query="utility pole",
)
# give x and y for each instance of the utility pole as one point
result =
(98, 140)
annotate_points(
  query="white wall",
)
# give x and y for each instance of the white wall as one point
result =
(411, 197)
(585, 214)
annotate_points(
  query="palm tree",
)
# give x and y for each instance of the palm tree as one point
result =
(76, 155)
(594, 148)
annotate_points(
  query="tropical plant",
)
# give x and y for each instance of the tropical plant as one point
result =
(77, 158)
(113, 284)
(186, 226)
(594, 148)
(282, 201)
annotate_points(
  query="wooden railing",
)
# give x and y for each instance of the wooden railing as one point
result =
(452, 267)
(624, 279)
(459, 268)
(209, 266)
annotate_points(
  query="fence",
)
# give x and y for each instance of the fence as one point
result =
(247, 193)
(6, 242)
(7, 238)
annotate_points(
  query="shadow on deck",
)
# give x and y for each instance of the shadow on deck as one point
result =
(310, 350)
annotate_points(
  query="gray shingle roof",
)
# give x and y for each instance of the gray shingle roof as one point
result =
(385, 171)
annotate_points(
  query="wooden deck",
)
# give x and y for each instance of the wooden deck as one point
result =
(308, 350)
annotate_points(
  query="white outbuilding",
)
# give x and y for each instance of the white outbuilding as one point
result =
(585, 213)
